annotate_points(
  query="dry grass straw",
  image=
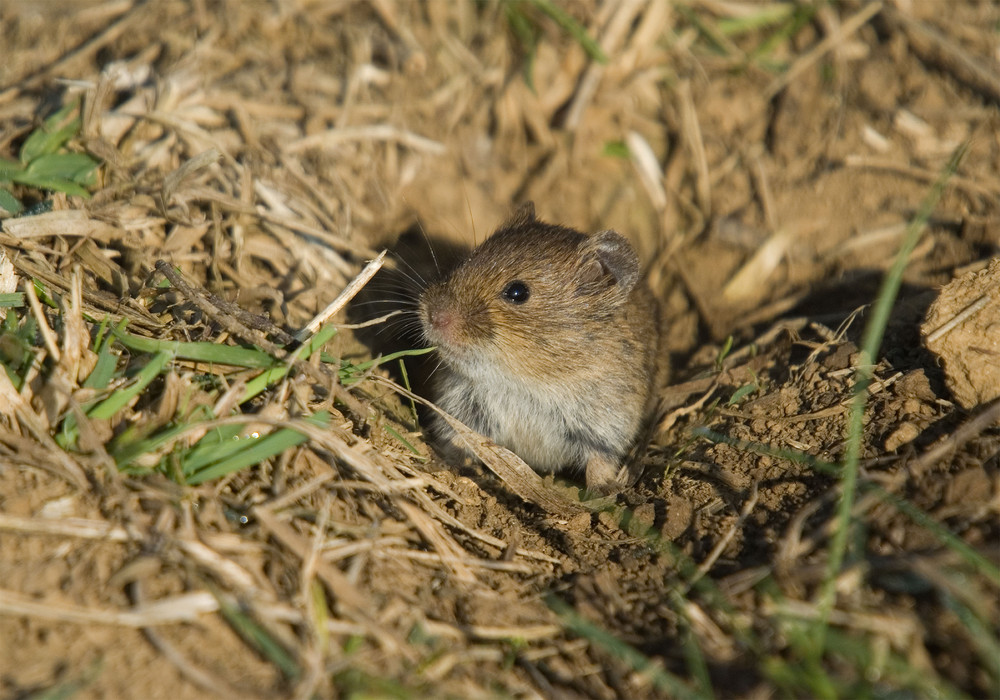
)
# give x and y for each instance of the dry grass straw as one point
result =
(266, 156)
(283, 224)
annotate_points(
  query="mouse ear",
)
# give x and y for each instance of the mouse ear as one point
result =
(607, 260)
(524, 214)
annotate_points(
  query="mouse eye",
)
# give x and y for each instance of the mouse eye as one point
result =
(516, 292)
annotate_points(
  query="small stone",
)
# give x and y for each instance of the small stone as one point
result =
(962, 329)
(642, 519)
(579, 523)
(905, 433)
(608, 520)
(679, 514)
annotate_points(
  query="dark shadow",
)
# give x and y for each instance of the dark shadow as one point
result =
(415, 260)
(902, 346)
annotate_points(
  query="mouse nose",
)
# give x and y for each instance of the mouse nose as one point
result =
(445, 323)
(441, 318)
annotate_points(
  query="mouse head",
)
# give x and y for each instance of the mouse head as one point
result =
(532, 295)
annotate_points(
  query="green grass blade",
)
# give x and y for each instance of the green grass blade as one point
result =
(697, 668)
(527, 35)
(947, 539)
(75, 167)
(104, 369)
(100, 333)
(10, 203)
(279, 370)
(802, 16)
(218, 444)
(51, 183)
(64, 690)
(262, 381)
(983, 638)
(716, 39)
(761, 19)
(406, 383)
(9, 168)
(121, 398)
(574, 28)
(245, 455)
(317, 341)
(351, 373)
(12, 300)
(17, 349)
(352, 682)
(756, 447)
(257, 637)
(320, 615)
(871, 342)
(52, 135)
(921, 683)
(258, 450)
(983, 565)
(406, 443)
(741, 394)
(213, 353)
(129, 446)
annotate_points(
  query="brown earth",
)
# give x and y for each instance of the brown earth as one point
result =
(785, 184)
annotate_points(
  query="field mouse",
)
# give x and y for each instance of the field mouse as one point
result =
(548, 345)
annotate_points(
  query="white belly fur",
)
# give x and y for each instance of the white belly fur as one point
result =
(550, 426)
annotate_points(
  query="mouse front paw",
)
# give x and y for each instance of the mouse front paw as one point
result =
(603, 476)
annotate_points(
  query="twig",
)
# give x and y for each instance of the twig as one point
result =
(982, 186)
(445, 547)
(902, 630)
(88, 48)
(191, 671)
(166, 611)
(974, 427)
(648, 168)
(374, 132)
(852, 25)
(247, 325)
(48, 337)
(99, 303)
(43, 449)
(691, 129)
(431, 557)
(959, 317)
(619, 24)
(353, 602)
(933, 47)
(349, 292)
(233, 318)
(720, 547)
(83, 528)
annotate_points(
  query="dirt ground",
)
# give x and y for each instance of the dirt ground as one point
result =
(783, 169)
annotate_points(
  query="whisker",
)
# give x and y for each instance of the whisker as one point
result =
(372, 322)
(430, 248)
(434, 369)
(407, 302)
(401, 281)
(413, 276)
(472, 219)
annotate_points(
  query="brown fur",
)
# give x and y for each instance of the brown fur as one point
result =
(563, 379)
